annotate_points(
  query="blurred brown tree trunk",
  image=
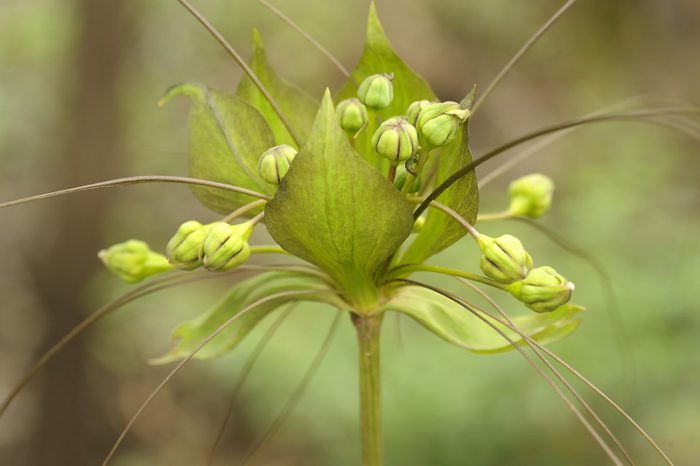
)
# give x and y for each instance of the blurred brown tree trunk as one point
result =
(71, 424)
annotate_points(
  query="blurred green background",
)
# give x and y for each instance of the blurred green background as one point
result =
(79, 80)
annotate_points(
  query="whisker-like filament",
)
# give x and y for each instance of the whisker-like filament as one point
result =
(243, 210)
(558, 375)
(137, 180)
(245, 372)
(156, 284)
(297, 393)
(242, 63)
(614, 313)
(604, 446)
(573, 371)
(642, 116)
(192, 354)
(527, 46)
(594, 433)
(307, 36)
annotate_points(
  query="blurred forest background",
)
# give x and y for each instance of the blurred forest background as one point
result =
(79, 82)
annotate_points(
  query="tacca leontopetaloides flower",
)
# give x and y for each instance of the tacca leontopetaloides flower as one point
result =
(362, 187)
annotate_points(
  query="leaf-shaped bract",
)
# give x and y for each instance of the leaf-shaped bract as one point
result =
(227, 137)
(298, 108)
(191, 334)
(458, 326)
(441, 230)
(379, 57)
(336, 211)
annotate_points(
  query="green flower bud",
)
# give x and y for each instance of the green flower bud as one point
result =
(352, 115)
(415, 109)
(183, 248)
(531, 195)
(438, 123)
(418, 224)
(504, 259)
(411, 165)
(275, 162)
(226, 246)
(543, 290)
(402, 176)
(376, 91)
(396, 139)
(133, 261)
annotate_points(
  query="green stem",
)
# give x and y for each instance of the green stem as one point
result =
(505, 215)
(267, 250)
(402, 270)
(392, 174)
(368, 331)
(244, 210)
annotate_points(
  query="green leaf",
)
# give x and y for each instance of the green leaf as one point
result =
(458, 326)
(441, 230)
(379, 57)
(337, 212)
(227, 137)
(299, 108)
(191, 334)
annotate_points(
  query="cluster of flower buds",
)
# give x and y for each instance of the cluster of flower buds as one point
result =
(427, 125)
(543, 290)
(505, 260)
(133, 261)
(274, 163)
(217, 246)
(531, 195)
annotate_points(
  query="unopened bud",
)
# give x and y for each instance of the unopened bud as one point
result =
(376, 91)
(543, 290)
(274, 163)
(402, 177)
(226, 246)
(352, 115)
(504, 259)
(133, 261)
(418, 224)
(396, 139)
(415, 109)
(531, 195)
(184, 247)
(438, 123)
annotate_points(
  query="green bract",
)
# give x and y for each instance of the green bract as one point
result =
(133, 261)
(396, 140)
(326, 211)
